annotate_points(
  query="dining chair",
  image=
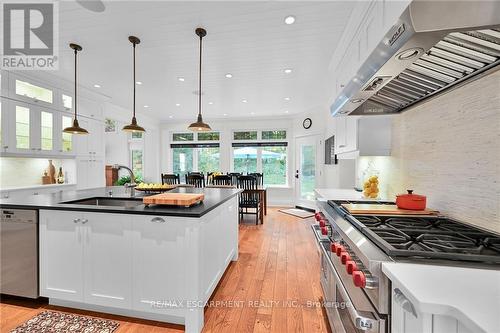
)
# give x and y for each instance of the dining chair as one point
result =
(222, 180)
(170, 179)
(234, 176)
(250, 198)
(259, 176)
(196, 180)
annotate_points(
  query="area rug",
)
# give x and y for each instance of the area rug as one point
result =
(59, 322)
(297, 212)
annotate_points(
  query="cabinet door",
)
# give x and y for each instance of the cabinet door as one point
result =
(96, 172)
(340, 134)
(5, 126)
(158, 240)
(82, 172)
(107, 259)
(351, 133)
(24, 122)
(46, 131)
(31, 91)
(61, 255)
(81, 142)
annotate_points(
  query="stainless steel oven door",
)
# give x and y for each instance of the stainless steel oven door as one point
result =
(343, 315)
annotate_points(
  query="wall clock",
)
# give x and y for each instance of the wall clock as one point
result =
(307, 123)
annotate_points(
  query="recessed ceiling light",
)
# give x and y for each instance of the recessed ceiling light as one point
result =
(97, 86)
(290, 19)
(210, 103)
(138, 82)
(146, 106)
(177, 104)
(229, 75)
(225, 114)
(180, 78)
(286, 111)
(170, 117)
(252, 113)
(287, 98)
(287, 70)
(244, 100)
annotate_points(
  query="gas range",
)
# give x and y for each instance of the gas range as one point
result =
(432, 237)
(353, 248)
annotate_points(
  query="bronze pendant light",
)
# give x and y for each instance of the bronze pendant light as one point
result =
(75, 129)
(133, 127)
(199, 125)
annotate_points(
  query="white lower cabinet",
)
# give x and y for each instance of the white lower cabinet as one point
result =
(158, 240)
(61, 255)
(406, 318)
(107, 248)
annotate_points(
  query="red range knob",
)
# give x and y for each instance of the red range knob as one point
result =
(351, 267)
(338, 250)
(344, 257)
(333, 247)
(317, 216)
(359, 279)
(322, 223)
(324, 231)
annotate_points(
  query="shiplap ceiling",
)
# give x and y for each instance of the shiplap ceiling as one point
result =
(248, 39)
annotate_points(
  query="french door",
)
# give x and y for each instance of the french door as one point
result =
(306, 170)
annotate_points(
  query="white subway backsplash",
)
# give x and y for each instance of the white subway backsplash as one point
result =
(19, 172)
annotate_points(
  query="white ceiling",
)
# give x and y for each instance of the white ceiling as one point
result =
(247, 39)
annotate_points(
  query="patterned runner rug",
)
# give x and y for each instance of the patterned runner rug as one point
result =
(60, 322)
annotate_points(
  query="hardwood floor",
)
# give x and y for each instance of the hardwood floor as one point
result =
(270, 285)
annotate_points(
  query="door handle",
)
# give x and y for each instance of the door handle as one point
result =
(84, 221)
(297, 174)
(157, 220)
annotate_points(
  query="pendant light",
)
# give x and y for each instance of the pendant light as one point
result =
(199, 125)
(75, 129)
(133, 127)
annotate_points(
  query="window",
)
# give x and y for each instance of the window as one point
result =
(183, 137)
(182, 161)
(67, 101)
(264, 152)
(67, 143)
(208, 159)
(32, 91)
(137, 135)
(137, 163)
(274, 165)
(274, 135)
(246, 135)
(22, 127)
(46, 130)
(208, 136)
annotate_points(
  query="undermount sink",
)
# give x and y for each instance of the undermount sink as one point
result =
(113, 202)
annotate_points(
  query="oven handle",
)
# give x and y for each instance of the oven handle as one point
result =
(361, 322)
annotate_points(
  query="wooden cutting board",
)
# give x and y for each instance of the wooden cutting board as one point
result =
(174, 199)
(360, 209)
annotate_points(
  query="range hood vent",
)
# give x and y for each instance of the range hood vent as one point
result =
(422, 65)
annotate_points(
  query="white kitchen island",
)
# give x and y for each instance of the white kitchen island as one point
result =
(156, 267)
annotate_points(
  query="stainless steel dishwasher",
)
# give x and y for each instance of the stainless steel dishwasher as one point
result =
(19, 252)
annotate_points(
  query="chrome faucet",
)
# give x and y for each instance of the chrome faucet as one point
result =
(132, 183)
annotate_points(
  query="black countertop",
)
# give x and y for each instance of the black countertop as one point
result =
(213, 198)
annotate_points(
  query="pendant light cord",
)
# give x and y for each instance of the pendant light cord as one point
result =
(134, 79)
(199, 78)
(76, 66)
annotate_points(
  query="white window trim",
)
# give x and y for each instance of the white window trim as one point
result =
(137, 144)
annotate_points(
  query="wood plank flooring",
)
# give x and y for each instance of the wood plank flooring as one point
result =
(271, 286)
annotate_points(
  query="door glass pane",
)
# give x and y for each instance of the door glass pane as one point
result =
(67, 101)
(208, 159)
(273, 135)
(32, 91)
(308, 172)
(245, 159)
(137, 135)
(183, 161)
(22, 127)
(137, 164)
(47, 128)
(274, 165)
(67, 143)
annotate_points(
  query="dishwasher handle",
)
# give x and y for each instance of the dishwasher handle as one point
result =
(404, 302)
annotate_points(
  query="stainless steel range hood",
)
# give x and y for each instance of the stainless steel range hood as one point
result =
(433, 46)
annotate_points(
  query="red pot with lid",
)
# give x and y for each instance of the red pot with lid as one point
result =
(411, 201)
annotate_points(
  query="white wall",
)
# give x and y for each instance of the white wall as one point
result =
(117, 144)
